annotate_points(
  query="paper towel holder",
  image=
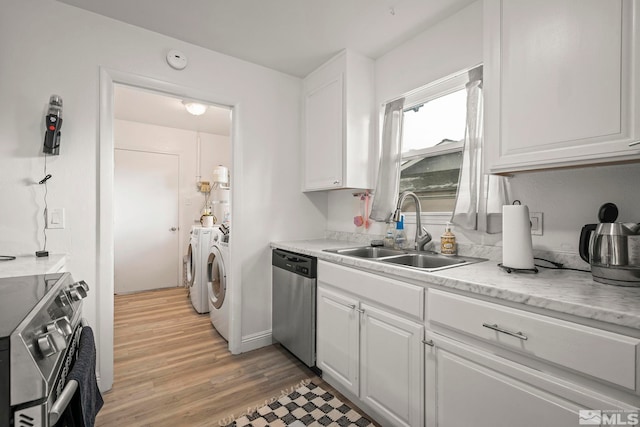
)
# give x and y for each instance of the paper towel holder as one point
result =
(518, 270)
(510, 270)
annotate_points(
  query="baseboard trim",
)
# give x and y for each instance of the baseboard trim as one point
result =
(255, 341)
(100, 386)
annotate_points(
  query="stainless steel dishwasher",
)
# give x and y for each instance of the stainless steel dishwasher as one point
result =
(294, 303)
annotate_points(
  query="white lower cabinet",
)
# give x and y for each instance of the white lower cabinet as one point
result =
(605, 356)
(374, 354)
(337, 338)
(459, 361)
(466, 386)
(391, 355)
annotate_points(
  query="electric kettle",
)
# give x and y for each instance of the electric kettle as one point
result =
(606, 246)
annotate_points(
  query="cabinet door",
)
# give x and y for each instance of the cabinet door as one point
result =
(337, 333)
(559, 83)
(391, 368)
(466, 386)
(324, 135)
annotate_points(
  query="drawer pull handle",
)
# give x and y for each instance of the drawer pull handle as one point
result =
(495, 327)
(430, 343)
(631, 144)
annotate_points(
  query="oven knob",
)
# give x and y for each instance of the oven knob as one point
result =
(82, 284)
(61, 325)
(74, 295)
(63, 299)
(78, 290)
(51, 343)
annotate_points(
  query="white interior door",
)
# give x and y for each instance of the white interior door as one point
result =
(146, 187)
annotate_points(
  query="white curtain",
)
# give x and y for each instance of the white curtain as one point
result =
(494, 197)
(480, 197)
(386, 192)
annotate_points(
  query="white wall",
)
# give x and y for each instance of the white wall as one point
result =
(215, 150)
(49, 47)
(567, 198)
(446, 48)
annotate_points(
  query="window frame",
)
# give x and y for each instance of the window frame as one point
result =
(422, 95)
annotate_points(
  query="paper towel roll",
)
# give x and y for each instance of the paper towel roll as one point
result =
(517, 249)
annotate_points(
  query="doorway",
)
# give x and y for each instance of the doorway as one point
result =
(146, 250)
(110, 82)
(152, 128)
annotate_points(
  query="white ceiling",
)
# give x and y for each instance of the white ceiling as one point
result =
(292, 36)
(139, 105)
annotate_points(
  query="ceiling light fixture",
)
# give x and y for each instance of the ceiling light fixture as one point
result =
(195, 108)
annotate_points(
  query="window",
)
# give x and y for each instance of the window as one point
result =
(433, 131)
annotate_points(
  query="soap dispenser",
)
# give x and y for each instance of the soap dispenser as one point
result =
(401, 236)
(389, 238)
(448, 241)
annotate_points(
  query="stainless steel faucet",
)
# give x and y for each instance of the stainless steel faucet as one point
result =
(422, 235)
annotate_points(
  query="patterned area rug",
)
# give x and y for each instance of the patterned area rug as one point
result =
(307, 405)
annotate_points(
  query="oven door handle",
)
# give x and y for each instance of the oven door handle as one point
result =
(62, 402)
(65, 397)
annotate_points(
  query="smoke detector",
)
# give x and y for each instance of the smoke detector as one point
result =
(176, 60)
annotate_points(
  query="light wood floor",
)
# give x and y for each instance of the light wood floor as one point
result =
(173, 369)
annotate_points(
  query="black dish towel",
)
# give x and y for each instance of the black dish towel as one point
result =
(87, 401)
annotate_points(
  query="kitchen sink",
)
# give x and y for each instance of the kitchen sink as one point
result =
(368, 252)
(425, 261)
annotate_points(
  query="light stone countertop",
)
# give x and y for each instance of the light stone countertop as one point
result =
(27, 265)
(564, 291)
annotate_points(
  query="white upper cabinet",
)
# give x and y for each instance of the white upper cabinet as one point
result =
(338, 109)
(561, 83)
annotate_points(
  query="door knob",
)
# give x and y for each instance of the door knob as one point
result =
(173, 229)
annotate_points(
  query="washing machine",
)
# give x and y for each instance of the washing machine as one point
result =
(217, 276)
(192, 261)
(199, 244)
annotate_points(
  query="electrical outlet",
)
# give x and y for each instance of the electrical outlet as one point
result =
(536, 223)
(55, 218)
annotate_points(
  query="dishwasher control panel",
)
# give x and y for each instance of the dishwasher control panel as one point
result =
(296, 263)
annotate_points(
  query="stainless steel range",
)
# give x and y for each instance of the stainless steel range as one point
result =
(40, 324)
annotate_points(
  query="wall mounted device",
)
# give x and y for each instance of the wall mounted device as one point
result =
(204, 187)
(176, 59)
(53, 123)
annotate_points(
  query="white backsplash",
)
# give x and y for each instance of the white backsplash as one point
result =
(567, 198)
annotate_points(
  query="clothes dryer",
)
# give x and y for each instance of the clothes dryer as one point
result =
(217, 276)
(201, 239)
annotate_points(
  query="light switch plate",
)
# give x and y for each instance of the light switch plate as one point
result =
(55, 218)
